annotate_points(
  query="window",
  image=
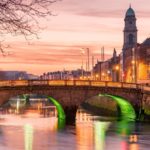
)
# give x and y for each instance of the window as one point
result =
(131, 39)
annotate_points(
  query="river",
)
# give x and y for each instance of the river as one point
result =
(33, 132)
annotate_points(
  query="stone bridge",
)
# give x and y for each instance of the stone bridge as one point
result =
(71, 94)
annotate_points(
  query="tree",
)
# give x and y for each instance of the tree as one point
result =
(21, 17)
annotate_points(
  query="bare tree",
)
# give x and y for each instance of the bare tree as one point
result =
(22, 16)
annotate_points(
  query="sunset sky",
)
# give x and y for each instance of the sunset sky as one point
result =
(78, 24)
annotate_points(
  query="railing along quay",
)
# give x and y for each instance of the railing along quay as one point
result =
(15, 83)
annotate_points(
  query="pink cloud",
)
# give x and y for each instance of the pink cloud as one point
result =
(79, 24)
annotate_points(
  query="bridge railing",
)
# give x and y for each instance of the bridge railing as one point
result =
(129, 85)
(11, 83)
(5, 83)
(98, 83)
(146, 88)
(114, 84)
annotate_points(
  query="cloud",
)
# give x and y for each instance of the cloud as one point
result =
(52, 55)
(143, 14)
(98, 13)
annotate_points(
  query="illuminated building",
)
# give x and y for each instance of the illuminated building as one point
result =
(136, 60)
(133, 63)
(142, 61)
(108, 70)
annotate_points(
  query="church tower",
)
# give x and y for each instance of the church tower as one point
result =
(130, 30)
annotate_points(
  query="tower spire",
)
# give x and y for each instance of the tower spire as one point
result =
(130, 5)
(130, 29)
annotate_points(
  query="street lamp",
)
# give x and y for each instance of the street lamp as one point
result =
(97, 76)
(88, 57)
(108, 74)
(82, 68)
(117, 67)
(103, 76)
(117, 72)
(88, 60)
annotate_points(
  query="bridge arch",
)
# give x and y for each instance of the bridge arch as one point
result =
(126, 109)
(59, 108)
(72, 96)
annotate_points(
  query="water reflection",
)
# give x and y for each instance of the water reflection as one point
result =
(133, 139)
(90, 133)
(28, 136)
(92, 130)
(84, 136)
(26, 126)
(28, 133)
(126, 132)
(100, 129)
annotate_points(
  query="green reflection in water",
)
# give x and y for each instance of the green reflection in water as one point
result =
(100, 129)
(28, 133)
(127, 111)
(61, 123)
(124, 128)
(26, 97)
(61, 113)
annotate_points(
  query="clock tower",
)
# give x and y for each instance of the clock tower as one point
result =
(130, 30)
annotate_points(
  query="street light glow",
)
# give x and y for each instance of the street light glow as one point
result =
(117, 67)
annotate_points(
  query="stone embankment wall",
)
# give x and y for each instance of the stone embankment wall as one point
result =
(103, 106)
(146, 106)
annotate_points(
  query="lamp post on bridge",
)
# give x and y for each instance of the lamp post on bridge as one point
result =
(82, 63)
(87, 60)
(117, 68)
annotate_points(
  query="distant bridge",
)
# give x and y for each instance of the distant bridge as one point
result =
(71, 93)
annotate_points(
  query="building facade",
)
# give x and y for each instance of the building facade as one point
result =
(135, 56)
(133, 63)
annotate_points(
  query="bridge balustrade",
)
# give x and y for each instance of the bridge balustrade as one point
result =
(9, 83)
(114, 84)
(56, 82)
(129, 85)
(5, 83)
(19, 83)
(82, 83)
(146, 88)
(70, 82)
(37, 82)
(12, 83)
(98, 83)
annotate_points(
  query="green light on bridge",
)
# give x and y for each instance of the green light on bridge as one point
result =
(127, 111)
(61, 113)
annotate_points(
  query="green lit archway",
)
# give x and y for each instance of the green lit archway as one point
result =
(61, 113)
(126, 109)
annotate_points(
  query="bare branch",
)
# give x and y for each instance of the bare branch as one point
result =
(21, 17)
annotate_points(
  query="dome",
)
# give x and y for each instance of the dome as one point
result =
(146, 42)
(130, 12)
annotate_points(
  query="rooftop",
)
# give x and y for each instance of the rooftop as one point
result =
(130, 12)
(146, 42)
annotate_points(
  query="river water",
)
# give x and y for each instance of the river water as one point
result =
(33, 132)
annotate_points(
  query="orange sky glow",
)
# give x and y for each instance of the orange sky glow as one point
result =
(78, 24)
